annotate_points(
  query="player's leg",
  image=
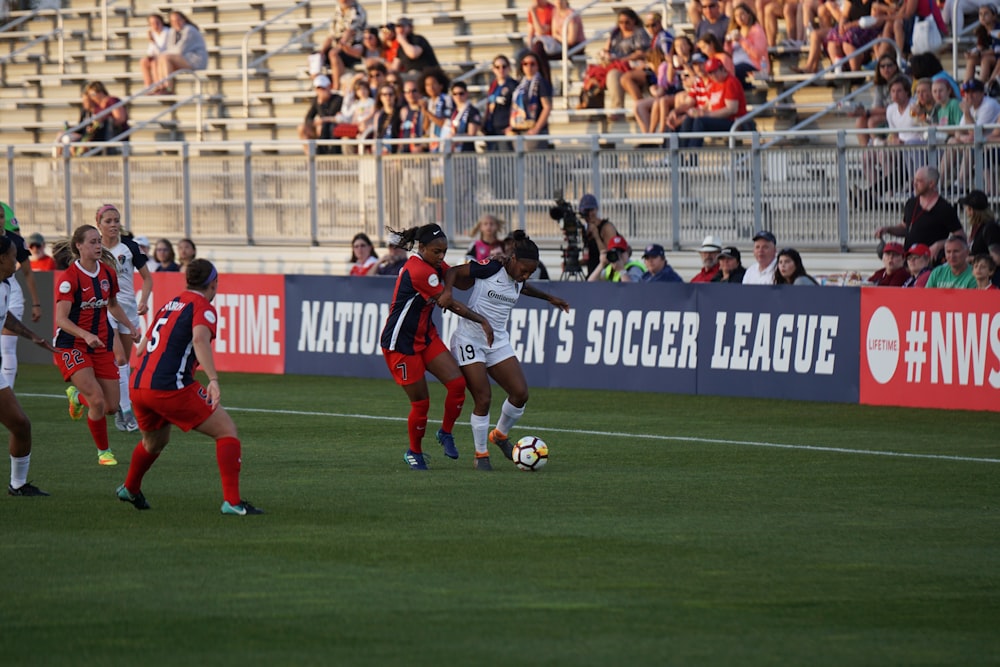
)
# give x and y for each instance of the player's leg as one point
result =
(507, 373)
(408, 372)
(12, 416)
(444, 367)
(8, 340)
(478, 383)
(228, 454)
(155, 436)
(92, 395)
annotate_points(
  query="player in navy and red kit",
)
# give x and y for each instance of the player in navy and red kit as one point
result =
(85, 294)
(411, 344)
(165, 393)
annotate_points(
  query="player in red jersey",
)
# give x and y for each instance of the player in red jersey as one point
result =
(411, 343)
(164, 390)
(85, 294)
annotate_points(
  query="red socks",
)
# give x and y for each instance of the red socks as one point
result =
(227, 453)
(99, 432)
(453, 403)
(137, 467)
(416, 423)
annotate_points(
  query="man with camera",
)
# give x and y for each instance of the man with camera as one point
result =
(598, 233)
(617, 265)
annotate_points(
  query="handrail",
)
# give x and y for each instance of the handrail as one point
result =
(296, 38)
(246, 50)
(42, 38)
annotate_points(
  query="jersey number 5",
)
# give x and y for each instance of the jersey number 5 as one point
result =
(154, 335)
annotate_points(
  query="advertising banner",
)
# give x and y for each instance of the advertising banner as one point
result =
(935, 348)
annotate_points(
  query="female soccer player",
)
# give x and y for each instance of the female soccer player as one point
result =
(130, 258)
(8, 341)
(411, 343)
(164, 390)
(87, 291)
(496, 286)
(11, 414)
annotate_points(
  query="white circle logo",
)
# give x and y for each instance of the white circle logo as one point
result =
(882, 345)
(432, 280)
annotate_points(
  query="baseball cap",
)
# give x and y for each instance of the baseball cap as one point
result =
(976, 200)
(654, 250)
(893, 246)
(712, 65)
(973, 85)
(142, 241)
(36, 239)
(918, 249)
(710, 244)
(405, 20)
(322, 81)
(731, 252)
(588, 202)
(766, 235)
(617, 243)
(699, 57)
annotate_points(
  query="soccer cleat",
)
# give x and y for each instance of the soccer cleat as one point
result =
(414, 460)
(120, 421)
(243, 509)
(75, 406)
(483, 463)
(138, 500)
(131, 425)
(447, 441)
(28, 489)
(503, 442)
(106, 458)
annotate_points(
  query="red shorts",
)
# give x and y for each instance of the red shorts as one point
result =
(185, 408)
(71, 360)
(409, 368)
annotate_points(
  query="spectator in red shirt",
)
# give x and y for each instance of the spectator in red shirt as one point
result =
(892, 273)
(726, 102)
(40, 260)
(710, 250)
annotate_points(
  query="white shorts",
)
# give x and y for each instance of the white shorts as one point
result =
(467, 350)
(130, 327)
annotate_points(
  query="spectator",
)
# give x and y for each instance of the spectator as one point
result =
(465, 119)
(955, 272)
(892, 273)
(393, 260)
(112, 124)
(765, 248)
(415, 53)
(362, 111)
(343, 46)
(857, 28)
(617, 265)
(828, 15)
(770, 12)
(694, 95)
(978, 109)
(599, 230)
(983, 228)
(713, 21)
(713, 50)
(186, 251)
(163, 254)
(498, 102)
(947, 109)
(532, 104)
(927, 217)
(489, 243)
(747, 45)
(40, 260)
(710, 250)
(790, 270)
(394, 79)
(626, 42)
(984, 269)
(159, 35)
(984, 54)
(86, 128)
(540, 31)
(186, 51)
(651, 113)
(364, 259)
(726, 102)
(874, 117)
(643, 75)
(565, 17)
(900, 114)
(321, 118)
(390, 46)
(377, 73)
(386, 121)
(438, 104)
(730, 267)
(918, 265)
(413, 118)
(657, 268)
(371, 46)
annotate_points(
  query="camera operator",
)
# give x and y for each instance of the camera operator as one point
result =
(599, 232)
(617, 265)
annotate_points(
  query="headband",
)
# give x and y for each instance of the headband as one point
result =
(430, 233)
(211, 276)
(104, 209)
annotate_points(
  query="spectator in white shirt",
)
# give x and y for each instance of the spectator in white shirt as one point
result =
(765, 251)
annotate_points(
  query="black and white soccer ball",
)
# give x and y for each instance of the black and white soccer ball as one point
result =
(531, 453)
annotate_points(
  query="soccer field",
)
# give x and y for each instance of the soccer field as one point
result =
(664, 530)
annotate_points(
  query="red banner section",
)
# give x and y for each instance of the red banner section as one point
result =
(933, 348)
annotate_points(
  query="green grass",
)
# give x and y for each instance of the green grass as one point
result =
(663, 531)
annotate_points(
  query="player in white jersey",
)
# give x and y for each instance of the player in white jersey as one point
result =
(8, 341)
(496, 285)
(11, 414)
(130, 259)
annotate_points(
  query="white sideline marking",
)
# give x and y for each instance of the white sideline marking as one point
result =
(619, 434)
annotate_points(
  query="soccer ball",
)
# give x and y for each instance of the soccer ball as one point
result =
(531, 453)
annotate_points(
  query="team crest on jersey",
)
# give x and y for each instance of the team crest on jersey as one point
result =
(485, 261)
(210, 316)
(105, 285)
(433, 280)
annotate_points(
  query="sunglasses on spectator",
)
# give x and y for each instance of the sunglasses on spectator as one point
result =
(410, 91)
(501, 66)
(529, 63)
(459, 93)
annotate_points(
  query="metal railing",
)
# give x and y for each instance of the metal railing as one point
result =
(245, 50)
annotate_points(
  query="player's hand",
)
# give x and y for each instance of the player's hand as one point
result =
(214, 392)
(44, 344)
(444, 299)
(93, 341)
(142, 309)
(561, 304)
(488, 330)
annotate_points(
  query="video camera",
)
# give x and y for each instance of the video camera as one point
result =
(572, 229)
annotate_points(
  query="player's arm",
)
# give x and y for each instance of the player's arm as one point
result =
(66, 324)
(29, 280)
(116, 310)
(16, 326)
(459, 277)
(561, 304)
(145, 290)
(201, 340)
(462, 310)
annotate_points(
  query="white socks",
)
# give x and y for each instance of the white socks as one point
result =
(480, 431)
(508, 417)
(8, 350)
(124, 402)
(19, 471)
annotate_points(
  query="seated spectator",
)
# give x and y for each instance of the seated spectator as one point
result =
(730, 267)
(978, 109)
(438, 104)
(828, 17)
(617, 265)
(539, 38)
(390, 46)
(984, 54)
(695, 94)
(187, 50)
(321, 118)
(163, 254)
(657, 268)
(377, 73)
(531, 105)
(643, 75)
(947, 109)
(488, 230)
(564, 17)
(465, 119)
(393, 260)
(627, 42)
(413, 118)
(769, 12)
(651, 112)
(892, 273)
(499, 99)
(394, 79)
(111, 124)
(790, 270)
(143, 243)
(725, 103)
(386, 121)
(710, 250)
(713, 50)
(713, 20)
(983, 228)
(40, 260)
(918, 265)
(361, 113)
(860, 24)
(371, 46)
(415, 53)
(343, 46)
(900, 115)
(984, 268)
(955, 272)
(186, 252)
(747, 45)
(873, 118)
(159, 35)
(761, 272)
(364, 259)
